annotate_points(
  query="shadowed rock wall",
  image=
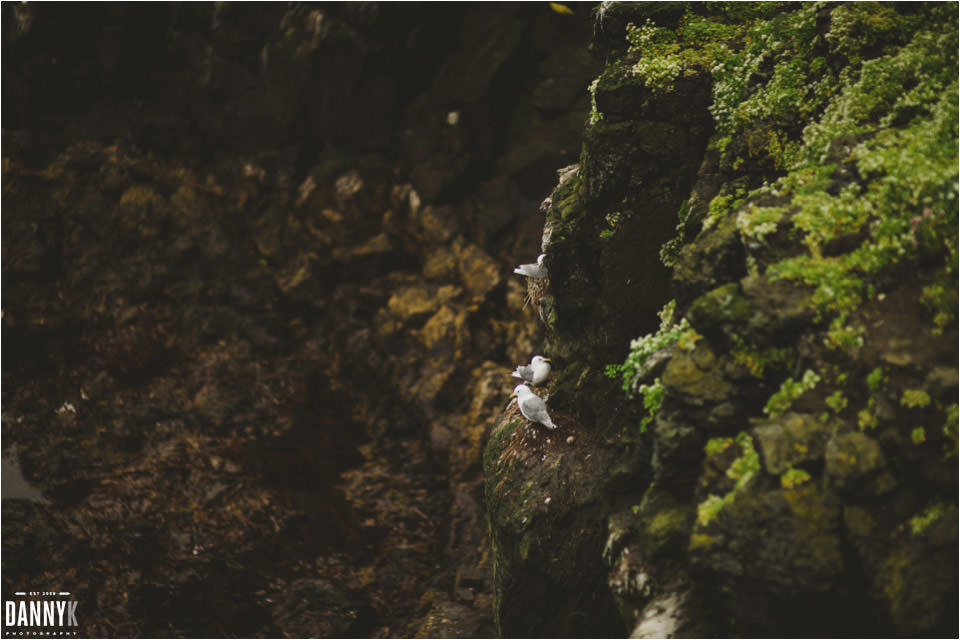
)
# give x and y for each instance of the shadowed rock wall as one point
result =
(257, 318)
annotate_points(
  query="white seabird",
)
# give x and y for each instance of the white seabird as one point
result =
(532, 406)
(535, 372)
(533, 270)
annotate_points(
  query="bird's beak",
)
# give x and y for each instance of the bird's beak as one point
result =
(548, 360)
(513, 395)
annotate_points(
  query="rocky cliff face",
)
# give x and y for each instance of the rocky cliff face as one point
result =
(776, 454)
(257, 319)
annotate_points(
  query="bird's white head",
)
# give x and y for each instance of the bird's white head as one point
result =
(539, 360)
(540, 259)
(520, 389)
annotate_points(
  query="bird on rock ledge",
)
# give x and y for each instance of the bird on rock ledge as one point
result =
(532, 406)
(535, 372)
(537, 270)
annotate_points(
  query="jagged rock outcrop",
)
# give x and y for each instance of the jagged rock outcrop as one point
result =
(779, 458)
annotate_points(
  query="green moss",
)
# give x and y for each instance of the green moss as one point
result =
(836, 401)
(666, 523)
(894, 101)
(716, 446)
(920, 523)
(709, 508)
(915, 398)
(723, 305)
(741, 471)
(757, 361)
(722, 205)
(789, 391)
(652, 399)
(568, 200)
(743, 468)
(498, 441)
(794, 478)
(814, 518)
(918, 435)
(866, 419)
(702, 541)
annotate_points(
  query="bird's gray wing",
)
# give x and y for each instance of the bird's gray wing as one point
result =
(535, 409)
(524, 372)
(527, 269)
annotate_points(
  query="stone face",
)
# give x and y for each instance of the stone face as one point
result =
(788, 459)
(791, 440)
(855, 462)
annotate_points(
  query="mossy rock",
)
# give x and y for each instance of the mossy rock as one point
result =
(790, 440)
(855, 464)
(715, 258)
(544, 497)
(697, 376)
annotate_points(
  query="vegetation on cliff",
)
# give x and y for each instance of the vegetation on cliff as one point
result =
(790, 463)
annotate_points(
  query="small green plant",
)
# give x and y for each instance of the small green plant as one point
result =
(756, 223)
(844, 337)
(913, 398)
(743, 468)
(918, 435)
(721, 206)
(595, 115)
(645, 346)
(671, 248)
(741, 471)
(716, 446)
(874, 379)
(866, 419)
(793, 478)
(652, 399)
(789, 391)
(837, 401)
(757, 360)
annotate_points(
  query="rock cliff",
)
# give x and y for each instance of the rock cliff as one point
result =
(752, 312)
(259, 320)
(257, 315)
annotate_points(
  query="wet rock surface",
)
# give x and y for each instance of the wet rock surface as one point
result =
(258, 313)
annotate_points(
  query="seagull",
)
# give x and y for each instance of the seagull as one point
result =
(532, 406)
(535, 372)
(533, 270)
